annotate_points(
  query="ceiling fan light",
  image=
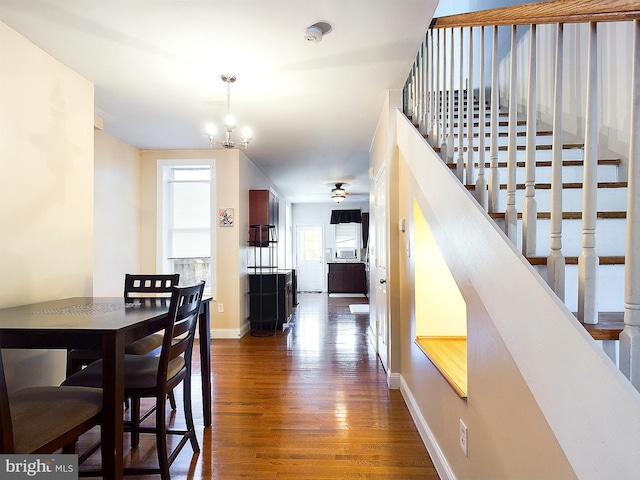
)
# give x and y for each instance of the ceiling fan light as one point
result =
(338, 194)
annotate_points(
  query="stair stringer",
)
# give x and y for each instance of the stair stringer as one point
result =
(568, 374)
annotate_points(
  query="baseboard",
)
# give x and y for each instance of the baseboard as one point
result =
(229, 332)
(394, 380)
(429, 440)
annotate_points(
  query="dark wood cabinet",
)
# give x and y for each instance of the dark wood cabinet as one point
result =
(263, 207)
(271, 297)
(347, 278)
(263, 210)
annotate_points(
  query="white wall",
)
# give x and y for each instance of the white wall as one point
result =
(46, 163)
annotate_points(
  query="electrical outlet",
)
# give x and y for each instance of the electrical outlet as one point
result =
(220, 308)
(464, 439)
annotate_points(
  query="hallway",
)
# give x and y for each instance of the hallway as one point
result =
(310, 403)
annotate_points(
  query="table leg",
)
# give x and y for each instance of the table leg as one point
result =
(204, 324)
(112, 409)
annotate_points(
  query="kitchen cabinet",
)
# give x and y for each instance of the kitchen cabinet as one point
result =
(345, 277)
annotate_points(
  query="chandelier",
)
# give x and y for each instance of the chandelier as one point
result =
(229, 122)
(338, 194)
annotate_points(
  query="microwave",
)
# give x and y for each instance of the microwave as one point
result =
(346, 253)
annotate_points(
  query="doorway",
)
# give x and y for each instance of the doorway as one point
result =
(380, 277)
(309, 253)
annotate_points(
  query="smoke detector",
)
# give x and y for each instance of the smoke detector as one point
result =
(315, 32)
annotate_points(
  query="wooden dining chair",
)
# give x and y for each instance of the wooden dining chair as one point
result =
(155, 376)
(137, 287)
(46, 419)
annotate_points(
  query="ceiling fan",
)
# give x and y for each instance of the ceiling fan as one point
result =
(338, 194)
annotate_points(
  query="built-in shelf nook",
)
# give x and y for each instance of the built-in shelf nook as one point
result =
(441, 312)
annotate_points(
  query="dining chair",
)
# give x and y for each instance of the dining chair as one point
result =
(155, 376)
(46, 419)
(137, 287)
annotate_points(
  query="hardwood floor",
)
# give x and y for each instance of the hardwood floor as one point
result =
(309, 403)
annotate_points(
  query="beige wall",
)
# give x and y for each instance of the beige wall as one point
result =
(117, 214)
(46, 163)
(227, 263)
(544, 401)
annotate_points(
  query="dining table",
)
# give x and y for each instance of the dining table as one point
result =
(106, 324)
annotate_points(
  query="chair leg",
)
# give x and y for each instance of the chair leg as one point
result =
(161, 438)
(188, 414)
(135, 422)
(172, 400)
(69, 448)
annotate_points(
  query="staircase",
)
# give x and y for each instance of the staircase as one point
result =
(565, 203)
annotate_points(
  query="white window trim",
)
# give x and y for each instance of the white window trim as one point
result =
(161, 168)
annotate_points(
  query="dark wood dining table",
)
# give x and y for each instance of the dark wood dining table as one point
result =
(107, 324)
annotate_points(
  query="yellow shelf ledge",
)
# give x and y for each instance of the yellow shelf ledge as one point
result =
(449, 355)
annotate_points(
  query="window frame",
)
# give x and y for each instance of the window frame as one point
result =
(163, 191)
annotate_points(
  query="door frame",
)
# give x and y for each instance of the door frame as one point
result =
(380, 324)
(323, 281)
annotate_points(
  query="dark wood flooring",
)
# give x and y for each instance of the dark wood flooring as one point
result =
(309, 403)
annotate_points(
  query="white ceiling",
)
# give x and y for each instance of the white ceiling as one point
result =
(313, 108)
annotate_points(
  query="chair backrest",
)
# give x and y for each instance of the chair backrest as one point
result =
(149, 285)
(6, 427)
(180, 331)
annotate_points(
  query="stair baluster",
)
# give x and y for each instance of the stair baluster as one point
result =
(481, 182)
(630, 336)
(451, 100)
(529, 207)
(437, 94)
(494, 178)
(588, 260)
(556, 261)
(460, 160)
(470, 107)
(431, 89)
(511, 214)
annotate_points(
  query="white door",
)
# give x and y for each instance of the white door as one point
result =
(309, 252)
(380, 278)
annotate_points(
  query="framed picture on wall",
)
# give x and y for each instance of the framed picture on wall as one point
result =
(225, 219)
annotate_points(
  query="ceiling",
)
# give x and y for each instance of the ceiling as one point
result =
(313, 107)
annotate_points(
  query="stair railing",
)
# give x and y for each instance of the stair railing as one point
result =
(430, 93)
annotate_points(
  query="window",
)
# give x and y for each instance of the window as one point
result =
(185, 228)
(347, 240)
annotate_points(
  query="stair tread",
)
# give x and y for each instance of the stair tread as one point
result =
(573, 260)
(567, 215)
(609, 326)
(547, 186)
(547, 163)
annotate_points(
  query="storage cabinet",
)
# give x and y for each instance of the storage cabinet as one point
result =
(347, 278)
(270, 298)
(263, 210)
(263, 292)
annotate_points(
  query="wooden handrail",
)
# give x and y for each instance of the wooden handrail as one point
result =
(558, 11)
